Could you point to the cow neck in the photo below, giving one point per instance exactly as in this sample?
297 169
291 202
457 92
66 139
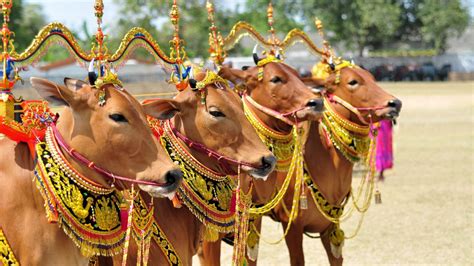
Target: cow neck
88 174
331 173
89 213
209 165
281 144
206 192
271 122
352 140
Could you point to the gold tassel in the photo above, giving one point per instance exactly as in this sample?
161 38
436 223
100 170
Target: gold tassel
303 202
252 242
211 235
378 197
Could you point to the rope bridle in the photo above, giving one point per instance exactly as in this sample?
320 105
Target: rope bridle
355 110
273 113
90 164
224 161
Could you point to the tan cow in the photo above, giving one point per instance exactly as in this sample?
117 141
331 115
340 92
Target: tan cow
282 100
115 137
329 168
220 125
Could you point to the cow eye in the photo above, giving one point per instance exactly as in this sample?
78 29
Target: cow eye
353 82
216 112
245 68
119 118
276 80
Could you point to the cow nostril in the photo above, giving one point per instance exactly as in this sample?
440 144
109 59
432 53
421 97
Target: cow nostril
268 162
173 176
396 103
316 104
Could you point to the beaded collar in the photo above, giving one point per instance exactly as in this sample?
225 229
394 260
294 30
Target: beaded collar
207 194
281 145
88 213
351 139
91 215
6 253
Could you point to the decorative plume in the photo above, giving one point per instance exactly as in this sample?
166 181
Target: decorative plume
216 42
180 75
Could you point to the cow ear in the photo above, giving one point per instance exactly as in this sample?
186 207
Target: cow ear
52 92
236 76
316 85
74 84
162 109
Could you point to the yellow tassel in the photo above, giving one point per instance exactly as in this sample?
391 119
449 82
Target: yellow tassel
303 202
211 235
378 197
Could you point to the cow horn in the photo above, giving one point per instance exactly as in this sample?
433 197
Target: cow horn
193 83
278 55
91 73
255 54
352 61
331 64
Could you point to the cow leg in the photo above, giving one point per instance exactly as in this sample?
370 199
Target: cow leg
327 246
210 253
294 242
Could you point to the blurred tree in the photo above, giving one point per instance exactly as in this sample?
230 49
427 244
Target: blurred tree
441 19
357 24
194 26
25 20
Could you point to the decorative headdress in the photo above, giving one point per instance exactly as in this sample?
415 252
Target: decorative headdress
210 78
273 55
329 63
8 71
216 42
181 73
100 61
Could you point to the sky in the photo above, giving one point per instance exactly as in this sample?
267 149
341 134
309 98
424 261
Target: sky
73 12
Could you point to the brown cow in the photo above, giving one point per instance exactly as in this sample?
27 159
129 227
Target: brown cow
330 170
220 125
116 137
282 91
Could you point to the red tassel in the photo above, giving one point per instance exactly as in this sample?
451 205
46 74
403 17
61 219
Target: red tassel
233 202
176 202
124 216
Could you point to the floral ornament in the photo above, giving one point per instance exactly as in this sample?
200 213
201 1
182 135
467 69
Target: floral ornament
106 75
210 78
180 76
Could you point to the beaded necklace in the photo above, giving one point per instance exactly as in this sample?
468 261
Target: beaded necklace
351 139
88 213
6 253
207 194
281 145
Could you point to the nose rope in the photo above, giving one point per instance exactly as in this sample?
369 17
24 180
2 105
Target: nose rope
83 160
273 113
223 160
356 110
